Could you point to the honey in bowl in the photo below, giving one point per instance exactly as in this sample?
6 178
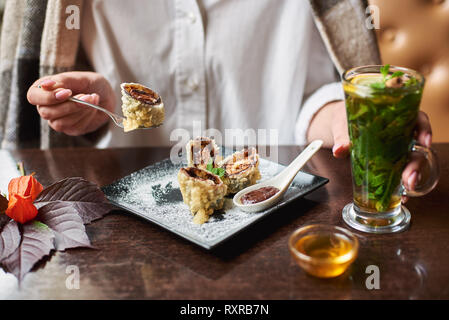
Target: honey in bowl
323 251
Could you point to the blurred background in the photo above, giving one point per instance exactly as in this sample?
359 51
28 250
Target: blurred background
415 34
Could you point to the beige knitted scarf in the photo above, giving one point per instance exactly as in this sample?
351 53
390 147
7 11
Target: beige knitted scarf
35 42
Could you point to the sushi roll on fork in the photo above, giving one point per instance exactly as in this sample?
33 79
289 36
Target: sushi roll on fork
141 106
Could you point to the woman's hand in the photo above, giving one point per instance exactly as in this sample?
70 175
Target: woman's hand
333 116
49 94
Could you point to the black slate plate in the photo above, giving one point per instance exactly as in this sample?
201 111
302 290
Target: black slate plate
153 194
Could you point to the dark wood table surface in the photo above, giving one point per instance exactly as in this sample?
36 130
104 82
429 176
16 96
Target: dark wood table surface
136 259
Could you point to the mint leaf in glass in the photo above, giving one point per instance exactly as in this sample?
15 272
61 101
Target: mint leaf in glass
378 85
384 70
411 82
397 74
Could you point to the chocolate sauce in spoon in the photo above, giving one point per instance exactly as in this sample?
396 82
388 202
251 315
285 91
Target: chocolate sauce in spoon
258 195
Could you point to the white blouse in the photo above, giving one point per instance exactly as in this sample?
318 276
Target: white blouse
222 64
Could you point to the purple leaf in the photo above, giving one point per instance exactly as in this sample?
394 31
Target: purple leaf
84 196
92 211
37 242
64 208
72 189
3 205
4 219
63 218
9 239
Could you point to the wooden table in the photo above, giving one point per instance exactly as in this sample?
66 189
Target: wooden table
136 259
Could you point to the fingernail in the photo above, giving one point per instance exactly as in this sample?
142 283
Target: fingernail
86 97
96 98
428 140
336 148
48 83
63 94
412 180
339 150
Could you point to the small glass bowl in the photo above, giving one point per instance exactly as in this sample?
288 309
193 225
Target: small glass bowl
323 251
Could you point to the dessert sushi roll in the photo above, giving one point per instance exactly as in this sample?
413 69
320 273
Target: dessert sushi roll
201 151
141 106
241 170
202 191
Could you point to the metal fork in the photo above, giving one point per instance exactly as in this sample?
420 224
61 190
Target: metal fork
117 119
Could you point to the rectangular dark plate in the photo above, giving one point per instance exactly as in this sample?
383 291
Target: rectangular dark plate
153 194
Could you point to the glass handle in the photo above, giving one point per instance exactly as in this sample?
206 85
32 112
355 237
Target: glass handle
433 175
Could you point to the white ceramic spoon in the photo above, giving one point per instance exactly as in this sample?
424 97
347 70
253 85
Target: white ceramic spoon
281 181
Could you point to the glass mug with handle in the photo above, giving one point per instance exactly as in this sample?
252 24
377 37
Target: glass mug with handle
382 105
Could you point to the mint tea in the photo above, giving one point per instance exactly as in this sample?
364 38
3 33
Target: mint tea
382 109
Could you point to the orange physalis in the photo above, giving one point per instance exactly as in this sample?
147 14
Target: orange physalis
22 193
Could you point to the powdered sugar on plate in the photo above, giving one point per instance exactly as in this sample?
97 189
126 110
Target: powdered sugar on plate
153 193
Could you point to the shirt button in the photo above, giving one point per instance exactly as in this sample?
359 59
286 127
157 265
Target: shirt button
192 17
193 84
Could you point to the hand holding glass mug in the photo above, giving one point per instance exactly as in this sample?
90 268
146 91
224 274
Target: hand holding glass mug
382 105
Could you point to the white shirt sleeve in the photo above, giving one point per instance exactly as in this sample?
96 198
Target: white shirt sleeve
321 85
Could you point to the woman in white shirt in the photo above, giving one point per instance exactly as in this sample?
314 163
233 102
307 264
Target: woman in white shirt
224 64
